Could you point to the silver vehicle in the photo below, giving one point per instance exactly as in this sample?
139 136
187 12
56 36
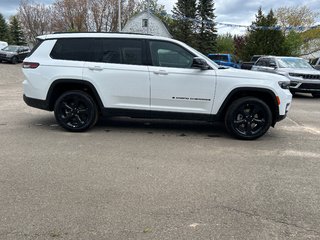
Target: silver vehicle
303 77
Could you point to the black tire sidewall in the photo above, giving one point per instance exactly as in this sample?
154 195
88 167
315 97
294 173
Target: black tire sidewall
14 60
316 95
233 108
90 103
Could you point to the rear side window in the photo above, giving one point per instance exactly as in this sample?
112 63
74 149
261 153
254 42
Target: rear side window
81 49
107 50
122 51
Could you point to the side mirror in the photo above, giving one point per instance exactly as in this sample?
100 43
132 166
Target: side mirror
200 63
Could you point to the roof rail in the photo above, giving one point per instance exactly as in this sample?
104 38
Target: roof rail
107 33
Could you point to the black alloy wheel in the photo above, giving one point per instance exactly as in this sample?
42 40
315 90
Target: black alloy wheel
248 118
76 111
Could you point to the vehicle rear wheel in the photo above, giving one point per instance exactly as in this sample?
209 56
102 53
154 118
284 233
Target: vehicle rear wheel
14 60
76 111
316 95
248 118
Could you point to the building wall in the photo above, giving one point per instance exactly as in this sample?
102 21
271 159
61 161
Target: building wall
156 26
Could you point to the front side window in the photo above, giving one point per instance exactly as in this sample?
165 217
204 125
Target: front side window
261 62
166 54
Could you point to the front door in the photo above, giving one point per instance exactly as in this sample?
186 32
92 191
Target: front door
175 85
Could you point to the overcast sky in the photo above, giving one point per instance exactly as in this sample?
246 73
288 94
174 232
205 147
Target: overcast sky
240 12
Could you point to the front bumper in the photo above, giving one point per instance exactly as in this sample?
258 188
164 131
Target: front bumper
305 86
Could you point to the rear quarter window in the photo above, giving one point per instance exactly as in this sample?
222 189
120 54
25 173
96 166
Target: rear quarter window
75 49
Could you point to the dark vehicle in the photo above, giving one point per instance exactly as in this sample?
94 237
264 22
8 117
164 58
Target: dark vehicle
14 53
248 65
224 59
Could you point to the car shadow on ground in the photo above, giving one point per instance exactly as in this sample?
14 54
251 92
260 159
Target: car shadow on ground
303 95
180 127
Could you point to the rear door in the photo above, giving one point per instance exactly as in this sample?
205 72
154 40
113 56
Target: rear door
120 74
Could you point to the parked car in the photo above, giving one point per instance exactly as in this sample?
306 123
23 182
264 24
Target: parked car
14 53
315 63
303 77
81 76
248 65
3 44
224 59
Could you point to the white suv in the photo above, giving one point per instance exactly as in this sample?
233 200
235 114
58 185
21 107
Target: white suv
80 76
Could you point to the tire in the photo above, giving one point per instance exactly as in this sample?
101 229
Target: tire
248 118
14 60
316 95
76 111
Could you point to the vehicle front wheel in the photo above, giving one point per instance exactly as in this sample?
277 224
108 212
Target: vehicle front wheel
76 111
248 118
316 95
14 60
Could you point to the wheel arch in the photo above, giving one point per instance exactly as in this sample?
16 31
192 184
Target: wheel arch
61 86
265 95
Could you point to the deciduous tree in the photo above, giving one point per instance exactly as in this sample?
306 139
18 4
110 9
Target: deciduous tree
35 19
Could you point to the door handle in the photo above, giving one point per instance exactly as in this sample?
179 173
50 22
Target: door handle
95 68
161 72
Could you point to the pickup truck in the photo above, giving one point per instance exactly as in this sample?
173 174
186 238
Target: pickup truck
248 65
224 59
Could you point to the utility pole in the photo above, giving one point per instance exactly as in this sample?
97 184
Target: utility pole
119 15
148 10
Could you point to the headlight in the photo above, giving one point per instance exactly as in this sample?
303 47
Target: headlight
284 84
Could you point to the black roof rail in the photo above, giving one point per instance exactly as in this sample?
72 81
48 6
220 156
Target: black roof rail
145 34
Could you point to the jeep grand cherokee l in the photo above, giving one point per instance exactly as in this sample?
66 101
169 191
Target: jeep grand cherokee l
304 78
81 76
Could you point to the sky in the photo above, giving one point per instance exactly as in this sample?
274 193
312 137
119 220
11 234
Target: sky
240 12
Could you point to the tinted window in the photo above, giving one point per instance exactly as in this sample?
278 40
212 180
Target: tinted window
168 54
119 51
261 62
124 51
75 49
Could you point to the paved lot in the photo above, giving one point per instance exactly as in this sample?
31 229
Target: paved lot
136 179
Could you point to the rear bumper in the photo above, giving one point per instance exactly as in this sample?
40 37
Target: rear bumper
36 103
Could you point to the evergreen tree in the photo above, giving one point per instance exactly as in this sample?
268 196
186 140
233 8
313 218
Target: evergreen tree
183 27
4 32
16 34
265 41
207 33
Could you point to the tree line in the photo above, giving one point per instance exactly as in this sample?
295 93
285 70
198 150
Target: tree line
191 21
12 32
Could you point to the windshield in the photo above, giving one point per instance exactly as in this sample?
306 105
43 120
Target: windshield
293 63
11 48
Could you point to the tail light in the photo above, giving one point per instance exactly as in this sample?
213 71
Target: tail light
30 65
